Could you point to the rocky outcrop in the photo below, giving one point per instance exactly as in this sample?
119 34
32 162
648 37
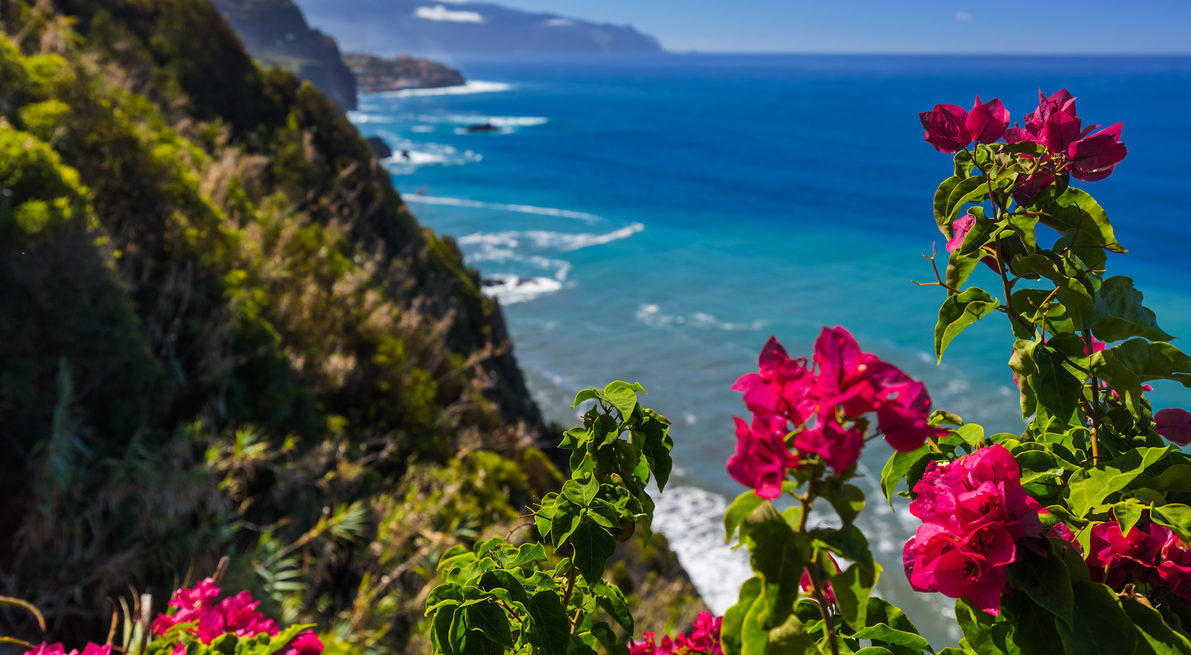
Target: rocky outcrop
275 33
374 74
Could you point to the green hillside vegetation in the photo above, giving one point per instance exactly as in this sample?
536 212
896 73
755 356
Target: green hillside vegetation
222 332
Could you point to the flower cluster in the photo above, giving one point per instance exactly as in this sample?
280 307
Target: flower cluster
826 397
704 638
1070 147
974 513
59 649
1149 554
208 619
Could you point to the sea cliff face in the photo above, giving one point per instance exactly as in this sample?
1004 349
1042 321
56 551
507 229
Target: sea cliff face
276 33
223 333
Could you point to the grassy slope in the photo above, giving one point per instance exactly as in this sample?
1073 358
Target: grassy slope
224 333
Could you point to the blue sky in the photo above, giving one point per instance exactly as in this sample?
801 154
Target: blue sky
886 26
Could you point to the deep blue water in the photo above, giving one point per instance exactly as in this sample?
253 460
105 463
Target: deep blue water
667 214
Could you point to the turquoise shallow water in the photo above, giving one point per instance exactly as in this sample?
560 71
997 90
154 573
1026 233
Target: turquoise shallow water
657 219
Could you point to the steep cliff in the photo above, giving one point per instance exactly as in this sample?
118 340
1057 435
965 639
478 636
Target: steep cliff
275 32
222 332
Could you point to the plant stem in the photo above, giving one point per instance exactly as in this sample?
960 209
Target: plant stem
1093 432
816 584
566 598
817 592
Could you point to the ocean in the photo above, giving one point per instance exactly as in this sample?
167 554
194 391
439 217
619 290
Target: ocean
656 219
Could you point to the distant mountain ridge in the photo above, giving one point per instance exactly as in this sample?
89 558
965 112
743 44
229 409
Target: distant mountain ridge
427 27
275 33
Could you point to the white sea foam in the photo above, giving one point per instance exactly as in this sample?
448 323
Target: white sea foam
422 129
692 520
512 289
479 119
652 316
474 86
546 240
522 209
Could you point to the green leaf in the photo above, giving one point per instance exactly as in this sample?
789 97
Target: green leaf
489 619
564 522
593 546
1057 387
1152 361
1120 377
968 190
656 445
1075 208
623 396
888 636
441 633
581 494
983 634
1158 636
528 554
732 628
896 468
790 637
613 644
958 312
777 554
738 511
614 603
551 627
1127 514
1045 580
940 204
1124 315
1176 516
847 499
1100 626
1090 487
874 650
852 588
585 395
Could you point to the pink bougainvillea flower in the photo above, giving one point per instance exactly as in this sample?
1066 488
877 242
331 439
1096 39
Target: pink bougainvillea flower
761 459
987 122
1115 559
704 639
1174 424
240 617
837 445
1060 102
905 428
974 512
236 614
1029 186
781 385
306 643
59 649
1060 131
807 585
1094 157
946 128
935 560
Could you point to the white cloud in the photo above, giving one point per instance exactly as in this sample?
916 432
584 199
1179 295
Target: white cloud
560 22
963 16
441 13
